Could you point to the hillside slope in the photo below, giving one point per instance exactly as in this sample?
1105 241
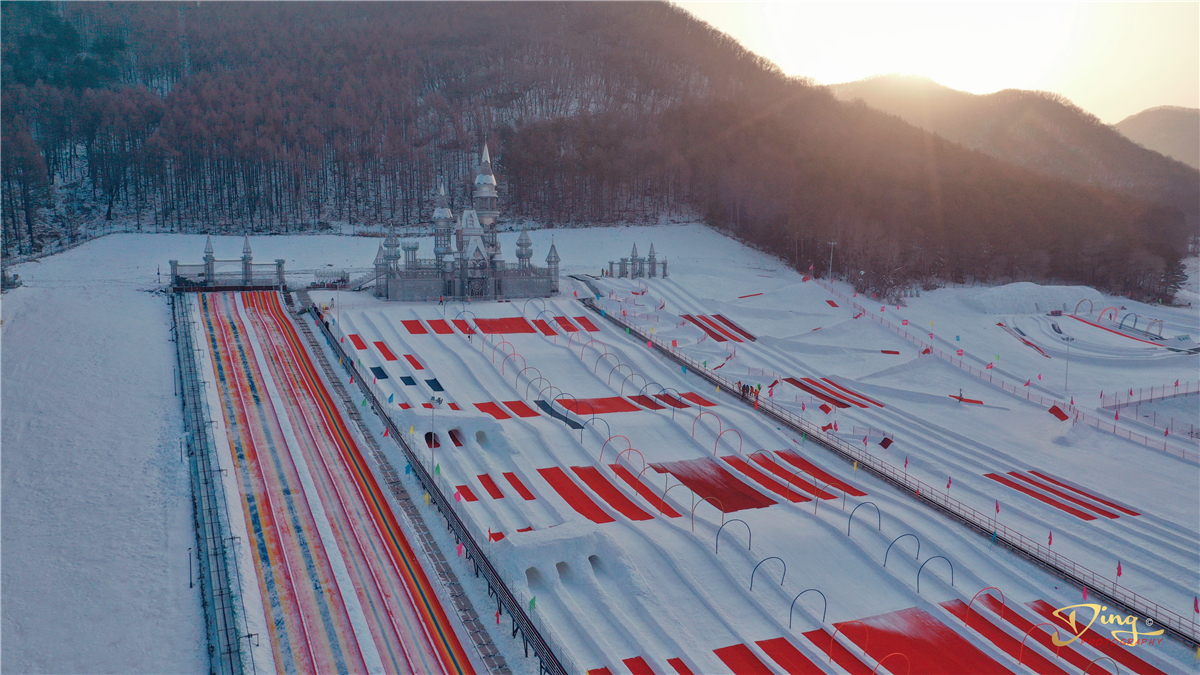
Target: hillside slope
1169 130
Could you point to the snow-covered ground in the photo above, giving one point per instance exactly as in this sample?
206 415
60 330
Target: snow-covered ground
652 588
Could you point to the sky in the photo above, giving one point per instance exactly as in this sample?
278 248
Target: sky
1111 59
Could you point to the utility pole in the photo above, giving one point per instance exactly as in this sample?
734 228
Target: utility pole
1067 376
831 245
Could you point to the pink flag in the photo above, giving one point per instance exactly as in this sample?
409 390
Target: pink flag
651 345
1196 604
864 440
997 506
906 462
904 322
1028 382
1118 416
988 367
1072 400
960 352
948 481
458 495
1039 376
460 550
1101 393
374 380
882 308
1176 383
1085 593
1166 432
1050 540
1118 569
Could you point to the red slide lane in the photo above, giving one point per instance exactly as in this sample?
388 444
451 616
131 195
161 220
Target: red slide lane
762 479
932 647
791 457
830 390
440 326
790 478
734 326
587 325
506 326
520 409
1118 653
646 402
697 399
638 666
708 479
414 327
415 363
544 327
718 327
1007 643
834 401
1089 495
671 401
708 331
466 493
592 477
515 481
493 410
490 486
576 498
824 642
463 327
680 667
358 342
742 660
1113 331
789 657
565 324
387 353
1042 635
1040 497
598 406
1062 495
852 392
643 490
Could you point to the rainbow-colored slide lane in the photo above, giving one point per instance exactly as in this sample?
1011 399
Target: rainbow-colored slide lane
342 590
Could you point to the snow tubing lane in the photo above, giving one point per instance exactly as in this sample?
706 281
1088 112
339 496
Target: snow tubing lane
708 479
592 477
446 642
734 326
575 497
931 646
793 458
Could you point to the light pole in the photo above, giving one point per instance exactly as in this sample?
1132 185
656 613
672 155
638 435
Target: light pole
831 245
434 403
1067 376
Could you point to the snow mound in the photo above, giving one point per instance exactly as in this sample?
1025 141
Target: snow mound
1029 298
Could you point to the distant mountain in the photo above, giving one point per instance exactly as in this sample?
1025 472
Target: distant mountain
1040 131
1170 130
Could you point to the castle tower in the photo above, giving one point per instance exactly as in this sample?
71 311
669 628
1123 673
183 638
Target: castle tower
410 253
486 200
381 273
552 260
210 263
442 225
652 262
524 250
635 263
391 247
247 262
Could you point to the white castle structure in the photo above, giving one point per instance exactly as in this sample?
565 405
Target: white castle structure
467 262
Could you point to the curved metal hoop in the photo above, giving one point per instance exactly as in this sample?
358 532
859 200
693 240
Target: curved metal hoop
817 497
1021 654
593 420
663 500
718 441
824 607
760 562
749 533
1091 307
526 305
1150 326
927 561
880 663
866 635
1105 310
1115 666
720 426
878 516
499 345
543 389
522 372
587 344
601 357
720 507
627 379
509 356
639 452
532 382
628 445
906 534
1135 316
616 367
1003 603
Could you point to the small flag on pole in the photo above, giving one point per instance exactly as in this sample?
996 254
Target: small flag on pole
1196 604
407 469
1028 382
949 480
1050 540
532 603
1118 569
856 465
988 366
1085 593
460 550
411 429
1039 376
385 431
993 533
906 462
1117 417
458 495
437 469
392 398
960 352
997 506
426 499
904 322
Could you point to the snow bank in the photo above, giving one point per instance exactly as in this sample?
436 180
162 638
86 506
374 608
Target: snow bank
1030 298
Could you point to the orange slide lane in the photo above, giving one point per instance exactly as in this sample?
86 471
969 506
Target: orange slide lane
420 623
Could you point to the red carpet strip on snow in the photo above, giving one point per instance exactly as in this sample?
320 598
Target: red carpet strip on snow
646 402
718 327
1118 653
889 351
1005 642
931 646
490 486
415 363
835 402
752 295
853 400
565 324
504 326
576 498
520 409
414 327
708 479
791 457
763 480
592 477
966 400
599 671
466 493
1113 331
1059 482
597 406
1040 497
671 401
680 667
544 327
1017 335
493 410
831 303
1042 635
738 329
791 659
1063 495
710 332
387 353
515 481
638 666
645 491
440 326
587 325
790 478
463 327
851 392
697 399
742 661
358 342
825 644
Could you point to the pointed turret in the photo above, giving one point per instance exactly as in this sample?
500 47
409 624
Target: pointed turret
208 248
651 250
246 253
652 263
552 261
633 254
524 249
442 223
381 256
210 263
485 198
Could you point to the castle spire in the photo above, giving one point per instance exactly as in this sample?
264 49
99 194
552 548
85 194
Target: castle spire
208 247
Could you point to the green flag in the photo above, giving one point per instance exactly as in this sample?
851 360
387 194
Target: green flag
437 469
532 603
363 403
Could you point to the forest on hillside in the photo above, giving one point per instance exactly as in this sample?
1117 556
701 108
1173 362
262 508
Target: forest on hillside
283 117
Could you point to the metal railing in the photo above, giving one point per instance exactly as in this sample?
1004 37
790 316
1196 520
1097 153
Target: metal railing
1176 624
220 578
549 661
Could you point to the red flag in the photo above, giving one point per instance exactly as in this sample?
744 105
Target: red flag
1176 383
960 352
904 322
1118 569
1196 604
385 431
1101 393
949 480
458 496
1085 593
374 380
1166 432
864 440
906 461
1072 400
1039 376
343 339
1131 392
997 506
827 427
1118 416
1027 382
931 336
988 367
351 379
1050 540
802 406
835 425
927 351
882 308
826 409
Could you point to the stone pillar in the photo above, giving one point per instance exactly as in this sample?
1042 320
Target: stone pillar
279 273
